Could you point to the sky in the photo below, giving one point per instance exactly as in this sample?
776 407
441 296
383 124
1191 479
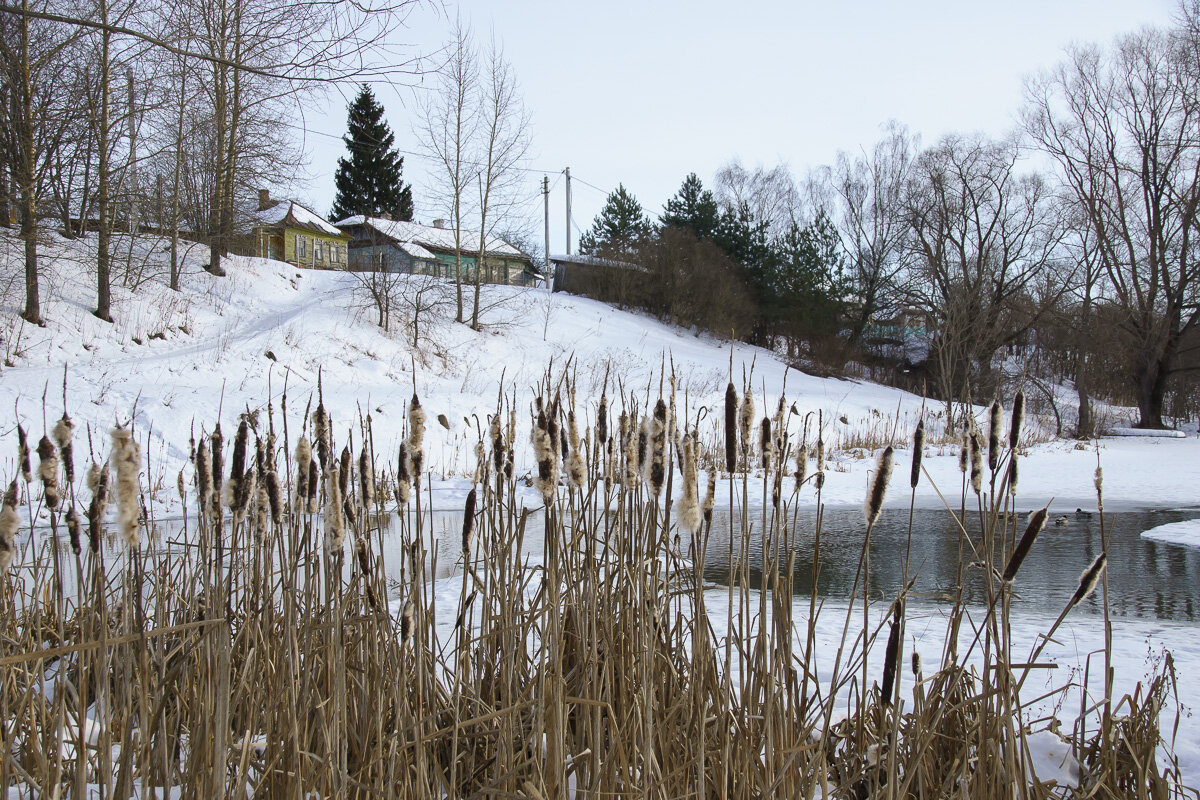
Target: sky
642 92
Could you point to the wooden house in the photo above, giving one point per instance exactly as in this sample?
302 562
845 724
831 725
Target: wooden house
387 245
287 231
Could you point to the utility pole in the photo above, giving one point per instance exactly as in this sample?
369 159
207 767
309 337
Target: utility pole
134 222
568 210
546 203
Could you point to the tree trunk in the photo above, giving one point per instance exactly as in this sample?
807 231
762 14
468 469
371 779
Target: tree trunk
33 308
104 236
1151 388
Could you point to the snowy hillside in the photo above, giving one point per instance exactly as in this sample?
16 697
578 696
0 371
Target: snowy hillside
176 361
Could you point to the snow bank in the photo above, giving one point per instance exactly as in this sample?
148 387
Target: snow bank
1185 534
1148 432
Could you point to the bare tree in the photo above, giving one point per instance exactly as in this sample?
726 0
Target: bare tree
983 238
1123 127
446 126
771 195
869 194
504 142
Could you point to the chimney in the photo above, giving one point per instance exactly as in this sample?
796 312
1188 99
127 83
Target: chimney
439 223
264 199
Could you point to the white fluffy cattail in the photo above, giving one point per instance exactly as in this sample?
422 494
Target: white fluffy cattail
335 524
801 464
48 472
126 459
403 477
576 469
976 464
303 457
879 483
1088 580
745 424
658 446
995 434
9 522
63 433
689 505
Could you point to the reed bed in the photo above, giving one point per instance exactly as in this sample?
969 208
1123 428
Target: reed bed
259 648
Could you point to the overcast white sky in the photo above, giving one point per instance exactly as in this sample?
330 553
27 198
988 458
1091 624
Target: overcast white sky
643 92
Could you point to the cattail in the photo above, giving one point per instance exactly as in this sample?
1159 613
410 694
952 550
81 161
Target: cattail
497 437
320 419
481 463
48 471
964 451
98 484
406 622
633 474
916 665
689 506
1018 419
643 446
820 454
1012 473
731 405
766 443
303 457
1036 523
262 508
416 439
891 655
1098 480
602 421
658 446
23 454
443 421
745 423
468 528
335 527
9 522
62 433
403 480
976 464
917 452
879 483
127 460
73 530
1088 580
217 463
995 435
313 484
543 451
710 499
801 465
576 469
239 491
181 487
343 465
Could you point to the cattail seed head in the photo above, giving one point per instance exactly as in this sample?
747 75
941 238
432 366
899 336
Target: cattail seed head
416 435
73 530
335 526
468 529
497 437
916 665
745 424
658 446
766 443
344 465
891 657
1013 474
995 434
820 454
731 405
403 480
602 421
62 433
366 477
239 489
689 505
1025 543
964 451
801 464
1088 580
710 499
127 461
918 452
976 464
48 471
98 507
576 469
23 454
406 622
9 523
1018 419
879 483
320 421
217 462
303 457
313 484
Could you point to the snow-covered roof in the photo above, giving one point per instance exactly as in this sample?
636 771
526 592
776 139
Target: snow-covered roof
431 238
301 217
415 250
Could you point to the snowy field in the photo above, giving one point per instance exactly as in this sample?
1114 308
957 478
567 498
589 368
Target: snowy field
176 362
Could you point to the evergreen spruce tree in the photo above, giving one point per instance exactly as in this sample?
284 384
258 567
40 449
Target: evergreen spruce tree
693 207
370 181
619 226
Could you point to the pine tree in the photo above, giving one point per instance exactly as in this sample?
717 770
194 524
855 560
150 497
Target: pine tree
370 181
693 207
619 226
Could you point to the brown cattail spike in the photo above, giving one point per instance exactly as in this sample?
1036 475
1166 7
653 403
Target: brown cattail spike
731 404
23 454
468 529
1018 419
879 483
1036 523
891 655
995 434
1088 580
48 471
62 433
9 523
976 464
917 452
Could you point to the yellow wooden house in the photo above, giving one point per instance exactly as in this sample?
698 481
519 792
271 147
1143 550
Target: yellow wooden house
287 231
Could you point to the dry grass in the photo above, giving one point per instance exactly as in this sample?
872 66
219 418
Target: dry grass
253 657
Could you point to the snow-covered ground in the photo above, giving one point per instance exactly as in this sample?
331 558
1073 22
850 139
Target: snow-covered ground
176 362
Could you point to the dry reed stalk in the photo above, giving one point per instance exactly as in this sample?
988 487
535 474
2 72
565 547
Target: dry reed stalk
731 411
48 472
126 459
9 523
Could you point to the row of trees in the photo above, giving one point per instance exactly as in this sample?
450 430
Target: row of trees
1096 260
139 114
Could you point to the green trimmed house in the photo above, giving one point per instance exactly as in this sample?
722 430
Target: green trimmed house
409 247
287 231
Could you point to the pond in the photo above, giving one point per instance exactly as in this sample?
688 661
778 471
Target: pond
1146 578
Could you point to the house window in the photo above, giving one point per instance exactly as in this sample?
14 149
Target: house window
301 246
317 251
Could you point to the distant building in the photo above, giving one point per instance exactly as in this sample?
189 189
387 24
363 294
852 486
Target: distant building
378 243
287 231
600 278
